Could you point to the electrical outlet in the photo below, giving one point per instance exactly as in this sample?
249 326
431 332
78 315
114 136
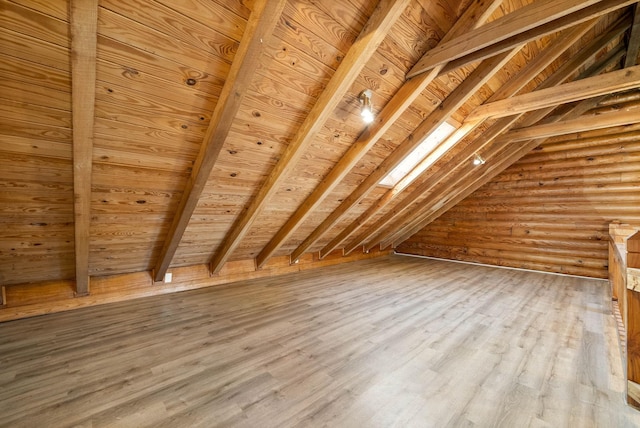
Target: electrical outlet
168 277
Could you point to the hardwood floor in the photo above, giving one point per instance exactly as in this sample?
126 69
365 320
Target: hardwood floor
396 341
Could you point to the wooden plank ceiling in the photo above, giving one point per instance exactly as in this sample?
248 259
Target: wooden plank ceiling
141 136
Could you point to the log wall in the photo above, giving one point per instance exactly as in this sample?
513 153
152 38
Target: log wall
550 211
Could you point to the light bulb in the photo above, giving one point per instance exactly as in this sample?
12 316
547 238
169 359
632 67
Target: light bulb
366 112
367 115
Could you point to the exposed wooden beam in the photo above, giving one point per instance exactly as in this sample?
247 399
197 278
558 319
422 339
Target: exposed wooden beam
597 10
260 26
449 105
464 184
615 81
560 44
523 25
405 96
581 124
449 174
373 33
3 295
476 13
500 157
511 87
392 193
633 46
84 35
539 62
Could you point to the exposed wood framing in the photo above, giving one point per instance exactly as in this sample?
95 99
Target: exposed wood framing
449 174
260 26
3 295
462 186
84 28
373 33
358 194
466 184
503 158
511 87
633 46
218 134
444 111
475 15
460 95
580 124
392 193
615 81
525 24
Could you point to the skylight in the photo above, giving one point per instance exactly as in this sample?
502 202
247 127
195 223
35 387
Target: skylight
418 154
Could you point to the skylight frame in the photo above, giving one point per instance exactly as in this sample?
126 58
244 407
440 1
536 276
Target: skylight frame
417 155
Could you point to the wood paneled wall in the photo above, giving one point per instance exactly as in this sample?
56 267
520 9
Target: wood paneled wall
27 300
551 210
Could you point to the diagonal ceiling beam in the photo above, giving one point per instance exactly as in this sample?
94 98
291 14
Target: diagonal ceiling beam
477 13
585 14
505 157
633 46
597 10
373 33
84 30
447 107
450 105
501 156
392 193
467 184
615 81
448 174
510 154
532 69
260 26
562 127
523 25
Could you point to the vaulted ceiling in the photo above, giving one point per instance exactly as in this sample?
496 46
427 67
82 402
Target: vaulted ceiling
141 136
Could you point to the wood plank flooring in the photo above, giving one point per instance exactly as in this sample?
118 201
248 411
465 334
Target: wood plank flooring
390 342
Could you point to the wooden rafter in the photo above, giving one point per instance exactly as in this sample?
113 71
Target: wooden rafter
566 70
501 155
364 187
615 81
449 105
84 30
547 16
477 13
511 87
501 160
449 173
633 46
373 33
581 124
597 10
260 26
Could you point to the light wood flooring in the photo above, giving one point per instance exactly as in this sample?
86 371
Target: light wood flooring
391 342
